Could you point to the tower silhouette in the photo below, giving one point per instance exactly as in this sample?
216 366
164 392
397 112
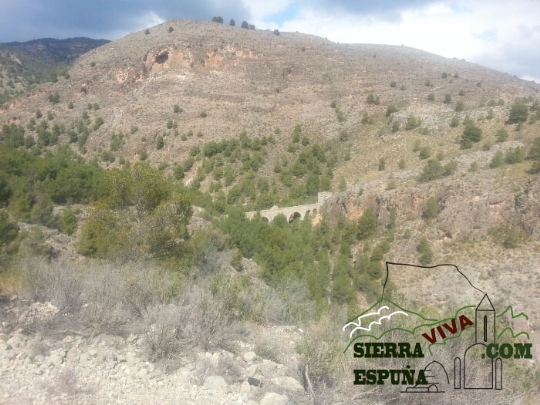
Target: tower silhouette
485 322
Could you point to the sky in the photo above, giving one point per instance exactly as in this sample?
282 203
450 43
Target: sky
499 34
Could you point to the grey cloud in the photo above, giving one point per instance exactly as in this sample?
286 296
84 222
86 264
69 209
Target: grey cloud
25 19
384 9
516 59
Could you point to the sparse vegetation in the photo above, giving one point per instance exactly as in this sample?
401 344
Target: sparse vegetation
518 113
426 254
372 99
471 134
447 98
390 110
412 123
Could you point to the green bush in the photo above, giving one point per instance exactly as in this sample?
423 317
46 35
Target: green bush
425 152
515 155
460 106
431 210
534 155
390 110
367 225
426 254
372 99
501 135
497 160
8 229
471 134
431 97
67 222
518 113
447 98
412 123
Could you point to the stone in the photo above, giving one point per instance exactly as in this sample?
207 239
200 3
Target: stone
251 370
271 398
288 383
249 356
254 381
4 345
216 384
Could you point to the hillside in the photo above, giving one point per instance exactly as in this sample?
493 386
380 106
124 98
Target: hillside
25 64
148 151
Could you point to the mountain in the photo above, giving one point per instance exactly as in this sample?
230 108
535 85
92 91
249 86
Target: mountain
64 51
24 64
153 147
223 80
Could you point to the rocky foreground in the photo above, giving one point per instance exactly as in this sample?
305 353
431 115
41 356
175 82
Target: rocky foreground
112 369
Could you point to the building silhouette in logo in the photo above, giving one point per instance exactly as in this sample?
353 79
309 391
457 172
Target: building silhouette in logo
478 371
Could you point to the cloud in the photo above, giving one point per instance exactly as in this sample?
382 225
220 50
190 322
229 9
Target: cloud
23 20
500 35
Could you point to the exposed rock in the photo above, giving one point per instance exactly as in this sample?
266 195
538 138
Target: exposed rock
255 382
216 384
271 398
288 383
249 356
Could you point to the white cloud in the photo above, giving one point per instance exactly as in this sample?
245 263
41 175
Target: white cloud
501 35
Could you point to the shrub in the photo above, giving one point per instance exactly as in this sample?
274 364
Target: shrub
431 210
515 155
245 25
390 110
382 164
232 23
372 99
395 126
471 134
426 254
460 106
160 143
367 225
393 83
402 164
518 113
54 98
217 20
146 32
454 122
497 160
277 33
8 229
425 152
444 75
431 97
433 170
509 236
447 98
534 155
412 123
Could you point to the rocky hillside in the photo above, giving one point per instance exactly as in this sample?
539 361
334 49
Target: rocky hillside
430 160
226 79
25 64
60 51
